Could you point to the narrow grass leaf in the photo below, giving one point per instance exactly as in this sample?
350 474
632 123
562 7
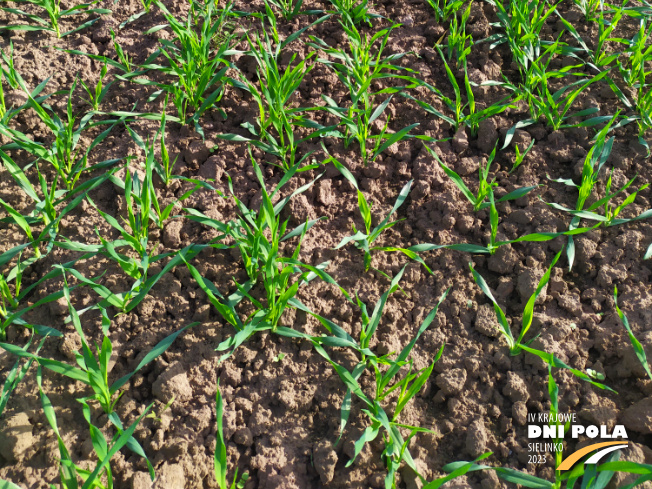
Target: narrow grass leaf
638 348
302 228
528 312
507 332
405 352
627 466
122 440
8 485
220 446
155 352
69 371
350 382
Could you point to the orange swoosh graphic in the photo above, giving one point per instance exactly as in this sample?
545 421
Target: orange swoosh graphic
575 456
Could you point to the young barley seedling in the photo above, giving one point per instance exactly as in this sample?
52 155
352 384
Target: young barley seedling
53 10
632 65
277 119
14 81
634 68
64 154
519 344
444 9
289 8
123 62
123 57
598 57
258 236
480 199
463 108
139 198
275 95
142 206
47 210
264 315
364 240
520 156
164 167
96 94
3 106
521 23
555 106
356 11
197 66
220 460
385 368
128 300
23 223
10 292
13 294
485 193
590 9
69 472
458 41
358 68
17 374
593 163
147 6
92 369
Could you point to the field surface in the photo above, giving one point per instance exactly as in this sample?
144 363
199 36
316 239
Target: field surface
460 188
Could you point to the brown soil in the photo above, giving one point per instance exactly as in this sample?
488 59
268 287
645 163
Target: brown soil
282 416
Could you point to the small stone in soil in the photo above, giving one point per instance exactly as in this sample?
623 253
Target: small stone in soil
173 382
15 437
170 476
527 283
460 140
486 322
516 389
638 417
325 458
476 438
243 437
451 381
519 413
